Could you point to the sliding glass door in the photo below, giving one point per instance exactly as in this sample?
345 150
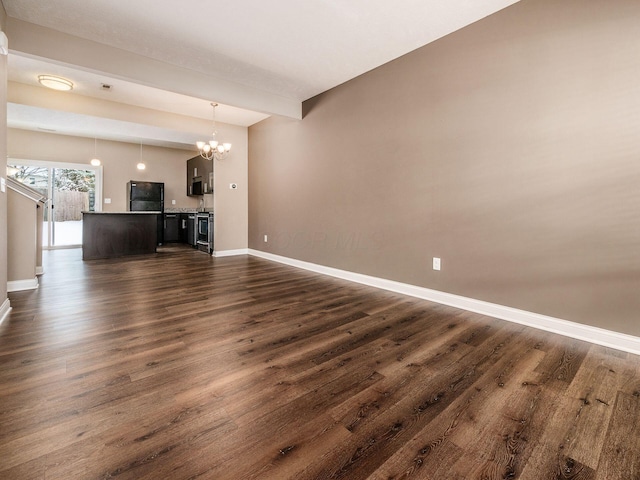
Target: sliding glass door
71 189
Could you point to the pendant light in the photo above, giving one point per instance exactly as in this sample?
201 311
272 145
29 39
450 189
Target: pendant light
95 161
141 166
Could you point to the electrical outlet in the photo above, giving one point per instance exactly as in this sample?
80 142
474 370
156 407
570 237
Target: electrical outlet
173 202
107 200
436 263
265 239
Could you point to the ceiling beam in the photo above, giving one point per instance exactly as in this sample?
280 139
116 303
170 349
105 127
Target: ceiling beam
34 108
41 42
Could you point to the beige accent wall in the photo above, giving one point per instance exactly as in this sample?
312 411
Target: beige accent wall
510 149
231 206
3 166
22 238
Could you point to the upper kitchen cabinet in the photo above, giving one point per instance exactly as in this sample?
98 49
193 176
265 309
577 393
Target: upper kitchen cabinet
199 176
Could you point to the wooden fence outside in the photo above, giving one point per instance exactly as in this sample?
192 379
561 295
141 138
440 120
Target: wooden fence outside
68 206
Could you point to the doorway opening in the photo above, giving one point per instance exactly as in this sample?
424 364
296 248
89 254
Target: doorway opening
71 189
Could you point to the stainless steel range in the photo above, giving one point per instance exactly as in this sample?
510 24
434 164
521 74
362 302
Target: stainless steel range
204 229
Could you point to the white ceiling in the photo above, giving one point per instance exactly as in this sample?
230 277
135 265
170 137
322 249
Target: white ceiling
293 49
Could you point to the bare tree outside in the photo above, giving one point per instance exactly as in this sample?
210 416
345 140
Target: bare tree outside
74 180
72 189
66 179
35 177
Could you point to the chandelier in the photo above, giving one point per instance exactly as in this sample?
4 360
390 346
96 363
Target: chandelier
213 148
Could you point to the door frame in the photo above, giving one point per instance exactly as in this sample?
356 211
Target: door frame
73 166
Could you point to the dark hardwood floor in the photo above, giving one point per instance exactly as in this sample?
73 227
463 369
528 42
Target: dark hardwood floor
181 366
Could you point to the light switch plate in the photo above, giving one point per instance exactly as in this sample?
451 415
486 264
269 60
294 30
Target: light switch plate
3 185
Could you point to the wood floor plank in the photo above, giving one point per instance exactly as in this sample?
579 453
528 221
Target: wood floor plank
620 455
575 433
410 410
465 422
142 446
180 365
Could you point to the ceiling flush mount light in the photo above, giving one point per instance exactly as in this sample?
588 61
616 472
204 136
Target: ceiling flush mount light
213 148
57 83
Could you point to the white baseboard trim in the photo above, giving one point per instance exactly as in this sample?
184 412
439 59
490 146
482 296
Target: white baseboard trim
19 285
598 336
39 271
5 308
231 253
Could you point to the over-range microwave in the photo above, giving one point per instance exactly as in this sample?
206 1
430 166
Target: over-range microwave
199 187
196 187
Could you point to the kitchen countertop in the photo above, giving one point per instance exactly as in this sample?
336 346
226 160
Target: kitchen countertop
168 210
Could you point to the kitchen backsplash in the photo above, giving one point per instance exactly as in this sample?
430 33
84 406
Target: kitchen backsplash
186 210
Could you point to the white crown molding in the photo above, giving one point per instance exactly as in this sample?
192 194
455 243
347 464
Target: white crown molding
598 336
19 285
5 308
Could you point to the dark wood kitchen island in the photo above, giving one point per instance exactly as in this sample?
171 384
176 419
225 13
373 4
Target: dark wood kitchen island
116 234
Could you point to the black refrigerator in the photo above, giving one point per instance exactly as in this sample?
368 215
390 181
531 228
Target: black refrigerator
147 197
